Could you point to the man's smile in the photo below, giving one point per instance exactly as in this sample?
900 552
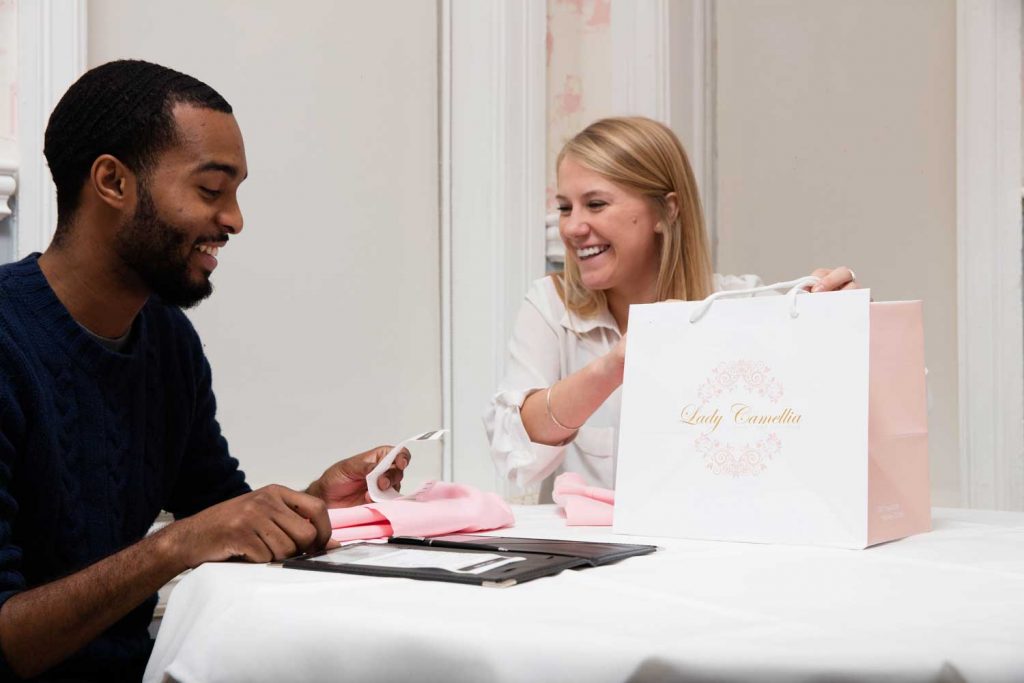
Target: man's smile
207 253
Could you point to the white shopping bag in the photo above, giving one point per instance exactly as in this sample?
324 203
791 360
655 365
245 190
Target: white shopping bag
748 420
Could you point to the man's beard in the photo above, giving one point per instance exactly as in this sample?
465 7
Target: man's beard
155 250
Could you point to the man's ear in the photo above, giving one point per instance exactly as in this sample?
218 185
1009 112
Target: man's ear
113 182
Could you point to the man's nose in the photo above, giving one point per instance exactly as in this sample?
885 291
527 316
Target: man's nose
231 219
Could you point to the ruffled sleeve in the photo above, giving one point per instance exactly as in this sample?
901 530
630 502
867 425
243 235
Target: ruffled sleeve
533 364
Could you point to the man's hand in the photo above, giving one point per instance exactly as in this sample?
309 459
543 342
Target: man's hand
269 524
43 626
343 484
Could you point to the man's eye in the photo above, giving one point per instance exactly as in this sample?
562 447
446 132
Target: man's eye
210 193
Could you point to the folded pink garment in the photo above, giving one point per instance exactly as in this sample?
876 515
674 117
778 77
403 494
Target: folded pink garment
583 505
437 508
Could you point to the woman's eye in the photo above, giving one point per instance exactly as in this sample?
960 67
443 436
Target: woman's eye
596 205
210 193
565 210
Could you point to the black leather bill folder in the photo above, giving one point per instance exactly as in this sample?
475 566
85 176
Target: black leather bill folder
595 554
495 561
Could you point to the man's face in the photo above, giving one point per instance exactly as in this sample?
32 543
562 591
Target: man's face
186 208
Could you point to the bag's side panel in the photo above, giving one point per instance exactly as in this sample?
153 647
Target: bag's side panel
899 498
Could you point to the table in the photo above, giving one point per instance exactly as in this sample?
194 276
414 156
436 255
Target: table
942 606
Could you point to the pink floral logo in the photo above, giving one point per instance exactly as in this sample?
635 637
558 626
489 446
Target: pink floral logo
732 458
736 460
754 376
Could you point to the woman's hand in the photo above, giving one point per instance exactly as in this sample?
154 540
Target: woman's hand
833 279
614 362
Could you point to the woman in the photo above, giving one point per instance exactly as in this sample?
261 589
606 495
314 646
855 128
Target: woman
631 221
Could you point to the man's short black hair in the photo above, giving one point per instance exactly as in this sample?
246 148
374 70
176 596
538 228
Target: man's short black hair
122 108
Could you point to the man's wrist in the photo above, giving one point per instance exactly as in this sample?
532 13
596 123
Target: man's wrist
168 551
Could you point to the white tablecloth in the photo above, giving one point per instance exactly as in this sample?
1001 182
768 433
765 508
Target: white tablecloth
942 606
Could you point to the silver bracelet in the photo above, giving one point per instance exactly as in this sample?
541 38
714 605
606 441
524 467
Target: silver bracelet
552 415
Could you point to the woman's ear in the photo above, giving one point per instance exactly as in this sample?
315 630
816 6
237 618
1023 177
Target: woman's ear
112 182
671 207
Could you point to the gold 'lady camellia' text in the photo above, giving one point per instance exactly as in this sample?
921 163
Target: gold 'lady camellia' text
741 413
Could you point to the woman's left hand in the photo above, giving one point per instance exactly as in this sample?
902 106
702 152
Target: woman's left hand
833 279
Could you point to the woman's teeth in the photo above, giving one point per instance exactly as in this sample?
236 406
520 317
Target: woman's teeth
590 252
207 249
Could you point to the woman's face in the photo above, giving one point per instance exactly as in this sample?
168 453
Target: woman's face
610 231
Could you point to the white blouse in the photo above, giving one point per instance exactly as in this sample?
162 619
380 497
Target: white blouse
548 343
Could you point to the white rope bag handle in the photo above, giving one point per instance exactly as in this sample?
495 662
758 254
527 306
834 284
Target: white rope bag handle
795 287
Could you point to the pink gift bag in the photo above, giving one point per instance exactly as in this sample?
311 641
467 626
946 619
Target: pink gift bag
784 419
899 495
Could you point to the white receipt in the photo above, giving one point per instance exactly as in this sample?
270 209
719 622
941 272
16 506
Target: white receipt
376 494
380 555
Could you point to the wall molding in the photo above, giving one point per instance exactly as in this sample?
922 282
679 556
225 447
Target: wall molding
444 156
989 267
663 67
692 113
51 56
493 137
641 58
8 185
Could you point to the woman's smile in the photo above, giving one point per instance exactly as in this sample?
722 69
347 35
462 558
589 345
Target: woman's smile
588 253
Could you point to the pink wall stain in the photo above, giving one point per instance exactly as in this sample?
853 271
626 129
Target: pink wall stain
570 99
578 73
577 5
602 14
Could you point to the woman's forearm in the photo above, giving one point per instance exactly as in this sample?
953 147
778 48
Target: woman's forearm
573 400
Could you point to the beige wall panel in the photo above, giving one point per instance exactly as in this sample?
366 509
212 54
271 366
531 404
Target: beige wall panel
324 329
837 145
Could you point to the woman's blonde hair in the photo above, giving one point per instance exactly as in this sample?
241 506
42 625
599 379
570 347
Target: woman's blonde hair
645 156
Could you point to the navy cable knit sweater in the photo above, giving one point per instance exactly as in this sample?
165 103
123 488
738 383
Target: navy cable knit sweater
93 444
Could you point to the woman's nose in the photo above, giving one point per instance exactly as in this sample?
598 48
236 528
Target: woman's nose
575 226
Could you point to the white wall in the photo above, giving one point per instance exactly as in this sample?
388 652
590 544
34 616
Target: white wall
837 145
323 331
8 131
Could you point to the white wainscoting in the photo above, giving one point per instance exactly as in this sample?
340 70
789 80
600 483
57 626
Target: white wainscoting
990 314
492 206
51 56
663 68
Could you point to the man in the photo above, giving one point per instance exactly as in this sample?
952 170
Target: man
106 410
